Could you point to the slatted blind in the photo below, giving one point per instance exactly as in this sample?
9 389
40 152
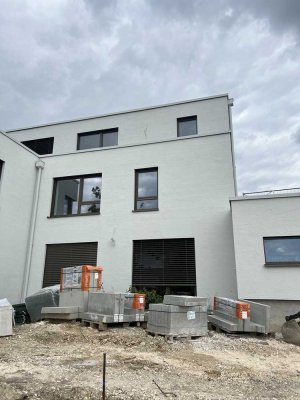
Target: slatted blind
164 262
67 255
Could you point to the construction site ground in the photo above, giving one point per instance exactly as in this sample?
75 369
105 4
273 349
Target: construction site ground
64 361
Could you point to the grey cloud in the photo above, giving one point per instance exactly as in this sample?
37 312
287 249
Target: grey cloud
282 14
65 59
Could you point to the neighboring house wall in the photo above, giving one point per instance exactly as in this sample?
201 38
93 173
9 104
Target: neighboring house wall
16 193
141 126
195 180
254 219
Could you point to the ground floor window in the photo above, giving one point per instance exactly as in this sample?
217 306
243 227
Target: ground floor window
166 265
67 255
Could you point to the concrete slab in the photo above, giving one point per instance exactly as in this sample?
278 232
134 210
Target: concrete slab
185 301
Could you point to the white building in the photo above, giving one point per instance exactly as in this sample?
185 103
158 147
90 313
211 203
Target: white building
144 193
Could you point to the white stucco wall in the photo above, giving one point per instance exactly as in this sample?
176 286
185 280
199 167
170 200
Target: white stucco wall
254 219
195 179
16 193
142 126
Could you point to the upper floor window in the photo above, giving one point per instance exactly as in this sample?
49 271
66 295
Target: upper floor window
103 138
40 146
146 189
282 250
187 126
76 195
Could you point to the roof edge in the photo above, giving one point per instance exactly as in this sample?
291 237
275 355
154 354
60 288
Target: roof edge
266 197
4 133
120 112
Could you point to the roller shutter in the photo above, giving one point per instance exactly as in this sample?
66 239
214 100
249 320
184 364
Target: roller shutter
67 255
164 262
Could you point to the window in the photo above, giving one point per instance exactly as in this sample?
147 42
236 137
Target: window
165 264
76 195
1 167
103 138
187 126
40 146
146 189
282 250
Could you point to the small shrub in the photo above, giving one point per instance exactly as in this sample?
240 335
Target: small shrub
151 295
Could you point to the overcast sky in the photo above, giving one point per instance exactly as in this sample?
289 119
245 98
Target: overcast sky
62 59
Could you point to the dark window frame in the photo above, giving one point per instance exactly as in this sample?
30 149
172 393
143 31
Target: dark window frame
99 133
136 197
279 263
50 144
80 201
184 119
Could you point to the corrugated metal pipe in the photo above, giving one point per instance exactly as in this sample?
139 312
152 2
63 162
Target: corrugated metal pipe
39 166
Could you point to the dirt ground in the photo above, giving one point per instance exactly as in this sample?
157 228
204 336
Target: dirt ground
64 361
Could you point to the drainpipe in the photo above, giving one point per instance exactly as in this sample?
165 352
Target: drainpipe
230 105
39 166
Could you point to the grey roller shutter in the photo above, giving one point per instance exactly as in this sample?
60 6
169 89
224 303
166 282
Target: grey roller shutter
164 262
67 255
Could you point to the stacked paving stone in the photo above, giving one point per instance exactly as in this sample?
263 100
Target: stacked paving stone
178 316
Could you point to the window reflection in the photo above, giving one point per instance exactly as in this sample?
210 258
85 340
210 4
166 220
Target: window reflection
187 126
146 189
282 249
77 195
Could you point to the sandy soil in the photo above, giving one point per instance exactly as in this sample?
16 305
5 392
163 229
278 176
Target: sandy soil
64 361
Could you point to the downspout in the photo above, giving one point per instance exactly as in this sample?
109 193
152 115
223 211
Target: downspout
39 166
230 105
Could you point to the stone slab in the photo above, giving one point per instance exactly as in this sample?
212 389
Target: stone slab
185 301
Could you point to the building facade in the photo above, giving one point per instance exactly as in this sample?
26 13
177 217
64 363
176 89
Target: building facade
151 196
143 193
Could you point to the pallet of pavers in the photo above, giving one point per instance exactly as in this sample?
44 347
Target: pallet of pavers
105 309
178 317
235 316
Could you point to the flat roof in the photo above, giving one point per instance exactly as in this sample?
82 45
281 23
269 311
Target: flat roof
119 113
264 197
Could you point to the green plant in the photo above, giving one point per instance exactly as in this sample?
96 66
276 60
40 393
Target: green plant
151 295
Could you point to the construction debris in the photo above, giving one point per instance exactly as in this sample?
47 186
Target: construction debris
46 297
291 332
45 361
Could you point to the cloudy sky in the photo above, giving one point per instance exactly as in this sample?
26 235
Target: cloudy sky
62 59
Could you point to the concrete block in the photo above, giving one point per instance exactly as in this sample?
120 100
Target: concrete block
185 301
173 320
6 318
63 313
74 298
260 315
106 303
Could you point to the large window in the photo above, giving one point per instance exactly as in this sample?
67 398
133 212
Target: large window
40 146
146 189
187 126
165 265
103 138
76 195
282 250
